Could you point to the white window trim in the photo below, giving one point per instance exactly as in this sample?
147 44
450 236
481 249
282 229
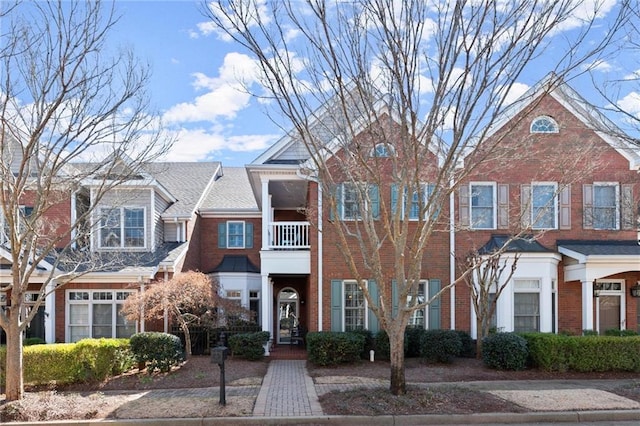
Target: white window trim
90 302
555 205
425 310
424 187
494 187
121 209
363 204
534 289
344 304
623 302
540 117
616 186
390 150
244 234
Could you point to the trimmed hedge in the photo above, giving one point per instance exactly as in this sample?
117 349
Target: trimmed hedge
249 345
412 339
505 351
552 352
85 361
381 345
157 351
440 345
369 342
330 348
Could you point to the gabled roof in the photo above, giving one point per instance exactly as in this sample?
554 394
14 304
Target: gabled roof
555 87
230 193
189 183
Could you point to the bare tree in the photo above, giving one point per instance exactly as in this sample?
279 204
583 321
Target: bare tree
72 113
387 96
487 282
188 298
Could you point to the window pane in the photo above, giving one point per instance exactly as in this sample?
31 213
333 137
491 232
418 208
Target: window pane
134 227
604 207
417 317
354 307
482 206
526 312
350 205
235 234
110 235
124 327
78 314
102 320
543 206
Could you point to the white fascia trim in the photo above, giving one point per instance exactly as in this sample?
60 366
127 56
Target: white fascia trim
581 258
216 174
221 213
152 184
111 277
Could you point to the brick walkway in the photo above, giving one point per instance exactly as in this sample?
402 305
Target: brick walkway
287 390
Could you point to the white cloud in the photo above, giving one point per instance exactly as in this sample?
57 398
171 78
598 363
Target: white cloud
631 103
598 65
585 12
516 90
226 94
201 144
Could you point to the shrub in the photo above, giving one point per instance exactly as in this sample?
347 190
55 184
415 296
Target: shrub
330 348
381 345
158 351
505 351
30 341
440 345
249 345
468 349
87 360
620 333
412 336
369 343
589 333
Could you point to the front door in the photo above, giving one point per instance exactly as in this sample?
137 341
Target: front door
287 314
610 307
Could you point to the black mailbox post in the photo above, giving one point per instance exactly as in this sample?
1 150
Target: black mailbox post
218 356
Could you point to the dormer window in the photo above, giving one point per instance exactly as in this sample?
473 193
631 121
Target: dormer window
382 150
122 227
544 124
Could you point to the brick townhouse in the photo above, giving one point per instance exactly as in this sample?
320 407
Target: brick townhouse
264 232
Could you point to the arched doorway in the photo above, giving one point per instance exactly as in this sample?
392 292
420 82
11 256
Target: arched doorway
288 312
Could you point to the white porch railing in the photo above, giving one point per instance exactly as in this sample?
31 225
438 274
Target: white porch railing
289 236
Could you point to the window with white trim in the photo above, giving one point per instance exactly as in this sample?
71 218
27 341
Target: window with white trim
544 124
419 316
483 205
355 307
526 305
23 214
605 206
254 306
544 206
382 150
355 200
122 227
235 234
419 200
96 314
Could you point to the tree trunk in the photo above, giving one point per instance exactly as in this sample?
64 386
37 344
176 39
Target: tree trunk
398 381
479 336
14 377
187 337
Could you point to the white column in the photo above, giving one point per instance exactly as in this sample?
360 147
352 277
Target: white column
266 214
50 311
587 305
266 300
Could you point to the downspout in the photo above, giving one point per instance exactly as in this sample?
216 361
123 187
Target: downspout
166 313
452 254
319 257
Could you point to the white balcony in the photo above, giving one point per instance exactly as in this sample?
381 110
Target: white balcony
287 249
288 236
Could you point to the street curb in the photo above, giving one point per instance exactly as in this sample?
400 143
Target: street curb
430 419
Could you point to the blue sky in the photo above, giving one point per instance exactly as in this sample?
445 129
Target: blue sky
194 82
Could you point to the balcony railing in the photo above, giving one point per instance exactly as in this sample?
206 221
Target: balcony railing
289 236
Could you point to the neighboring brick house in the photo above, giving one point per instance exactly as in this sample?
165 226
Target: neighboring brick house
264 232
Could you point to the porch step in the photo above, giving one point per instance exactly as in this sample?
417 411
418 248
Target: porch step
288 352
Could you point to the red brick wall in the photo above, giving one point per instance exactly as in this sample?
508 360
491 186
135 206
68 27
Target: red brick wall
211 255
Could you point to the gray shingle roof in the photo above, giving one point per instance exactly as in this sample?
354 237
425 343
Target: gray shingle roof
231 191
187 182
236 263
519 245
600 248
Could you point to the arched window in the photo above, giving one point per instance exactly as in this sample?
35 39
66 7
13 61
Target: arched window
382 150
544 124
